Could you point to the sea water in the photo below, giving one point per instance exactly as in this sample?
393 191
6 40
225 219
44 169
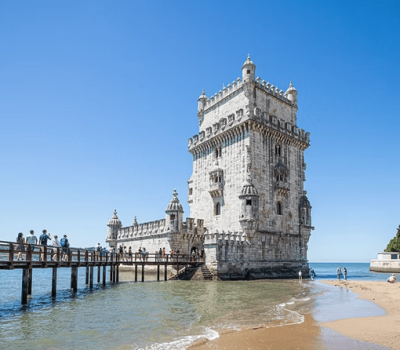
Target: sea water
150 315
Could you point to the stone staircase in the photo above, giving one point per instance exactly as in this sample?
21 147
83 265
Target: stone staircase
206 273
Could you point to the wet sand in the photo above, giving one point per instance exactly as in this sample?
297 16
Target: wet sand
304 336
349 333
383 330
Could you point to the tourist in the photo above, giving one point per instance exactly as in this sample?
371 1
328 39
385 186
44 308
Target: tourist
64 245
392 278
344 273
172 253
312 274
338 272
98 251
300 275
121 252
140 253
130 253
21 247
44 237
163 253
32 240
144 254
159 254
56 244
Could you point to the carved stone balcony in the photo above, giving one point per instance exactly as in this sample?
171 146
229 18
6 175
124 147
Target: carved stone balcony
215 189
282 187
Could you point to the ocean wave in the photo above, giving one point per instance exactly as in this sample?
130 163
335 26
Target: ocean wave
183 342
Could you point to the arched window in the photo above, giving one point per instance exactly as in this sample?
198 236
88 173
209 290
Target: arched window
217 208
279 208
278 150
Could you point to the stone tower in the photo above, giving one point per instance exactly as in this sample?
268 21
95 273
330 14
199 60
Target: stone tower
247 180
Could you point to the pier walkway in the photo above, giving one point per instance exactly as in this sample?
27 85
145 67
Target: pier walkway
27 257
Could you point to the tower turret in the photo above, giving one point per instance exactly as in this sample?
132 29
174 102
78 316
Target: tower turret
113 227
174 211
248 70
249 208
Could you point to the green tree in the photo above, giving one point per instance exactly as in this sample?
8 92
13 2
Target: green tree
394 244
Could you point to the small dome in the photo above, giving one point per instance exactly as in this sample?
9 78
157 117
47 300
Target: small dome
248 62
248 188
203 96
114 220
304 202
174 205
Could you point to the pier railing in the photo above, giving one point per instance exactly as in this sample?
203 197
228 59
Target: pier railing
15 255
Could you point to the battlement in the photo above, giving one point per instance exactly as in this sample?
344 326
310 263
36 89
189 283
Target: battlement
159 227
232 122
236 87
151 228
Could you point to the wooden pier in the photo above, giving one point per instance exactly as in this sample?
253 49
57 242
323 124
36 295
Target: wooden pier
27 257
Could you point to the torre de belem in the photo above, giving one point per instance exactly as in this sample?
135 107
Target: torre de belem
249 211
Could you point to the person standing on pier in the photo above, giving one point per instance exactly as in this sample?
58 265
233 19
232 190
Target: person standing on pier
32 240
44 237
21 247
56 244
64 245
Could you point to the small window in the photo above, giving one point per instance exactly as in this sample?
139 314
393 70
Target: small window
279 208
248 71
248 201
278 150
172 217
190 191
218 209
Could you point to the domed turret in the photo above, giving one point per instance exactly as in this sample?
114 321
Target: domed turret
291 94
113 227
174 213
174 205
249 208
305 210
248 70
201 101
248 188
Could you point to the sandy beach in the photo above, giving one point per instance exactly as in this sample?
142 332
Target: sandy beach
382 330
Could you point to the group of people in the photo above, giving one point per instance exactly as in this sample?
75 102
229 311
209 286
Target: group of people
33 241
340 273
312 274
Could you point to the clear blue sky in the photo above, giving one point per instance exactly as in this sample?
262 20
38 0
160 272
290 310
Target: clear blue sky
98 99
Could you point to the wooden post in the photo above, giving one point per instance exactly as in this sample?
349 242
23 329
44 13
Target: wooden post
135 272
30 280
25 280
74 278
142 272
111 273
98 273
87 275
91 277
54 283
118 273
11 254
165 272
104 275
158 272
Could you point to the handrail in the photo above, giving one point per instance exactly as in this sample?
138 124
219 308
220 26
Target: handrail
13 252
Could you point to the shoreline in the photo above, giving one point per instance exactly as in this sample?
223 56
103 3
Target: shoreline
377 331
382 330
